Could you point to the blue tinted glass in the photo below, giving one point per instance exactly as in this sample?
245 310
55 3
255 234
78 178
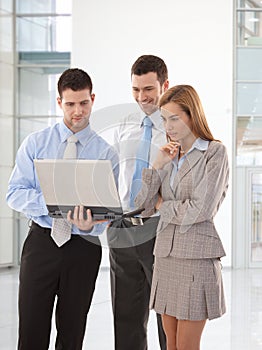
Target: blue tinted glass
44 6
44 33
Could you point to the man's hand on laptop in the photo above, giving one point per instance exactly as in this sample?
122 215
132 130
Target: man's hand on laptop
82 219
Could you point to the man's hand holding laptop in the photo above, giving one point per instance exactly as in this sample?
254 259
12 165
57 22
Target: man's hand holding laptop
82 219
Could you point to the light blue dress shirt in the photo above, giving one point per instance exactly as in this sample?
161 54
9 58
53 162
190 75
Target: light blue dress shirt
199 144
24 193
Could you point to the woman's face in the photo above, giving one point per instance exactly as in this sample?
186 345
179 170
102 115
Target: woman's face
177 123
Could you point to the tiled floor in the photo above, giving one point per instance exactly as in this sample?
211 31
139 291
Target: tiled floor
239 329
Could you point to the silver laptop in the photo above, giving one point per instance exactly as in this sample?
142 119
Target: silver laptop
67 183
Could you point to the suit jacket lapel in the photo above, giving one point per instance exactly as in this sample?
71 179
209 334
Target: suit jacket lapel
191 159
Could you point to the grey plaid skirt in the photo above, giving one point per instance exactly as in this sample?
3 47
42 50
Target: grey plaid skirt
188 289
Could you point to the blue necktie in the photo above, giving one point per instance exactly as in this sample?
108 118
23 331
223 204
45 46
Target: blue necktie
142 160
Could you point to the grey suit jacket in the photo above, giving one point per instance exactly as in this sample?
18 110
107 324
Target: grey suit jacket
186 228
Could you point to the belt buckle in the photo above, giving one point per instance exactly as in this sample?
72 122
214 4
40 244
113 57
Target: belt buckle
136 221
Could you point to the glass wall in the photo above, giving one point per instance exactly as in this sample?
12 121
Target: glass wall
248 87
43 52
248 134
6 127
43 33
256 217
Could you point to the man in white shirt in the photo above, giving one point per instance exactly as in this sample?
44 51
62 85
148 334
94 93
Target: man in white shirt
131 240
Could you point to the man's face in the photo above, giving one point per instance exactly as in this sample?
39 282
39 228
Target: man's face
147 91
77 107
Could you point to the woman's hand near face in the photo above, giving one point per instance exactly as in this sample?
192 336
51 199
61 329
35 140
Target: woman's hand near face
166 154
78 218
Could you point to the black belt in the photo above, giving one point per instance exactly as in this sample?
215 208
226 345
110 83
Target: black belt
40 228
136 221
46 230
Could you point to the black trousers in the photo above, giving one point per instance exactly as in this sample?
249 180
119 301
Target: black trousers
46 271
131 268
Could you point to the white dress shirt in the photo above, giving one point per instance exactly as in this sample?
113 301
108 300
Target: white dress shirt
126 140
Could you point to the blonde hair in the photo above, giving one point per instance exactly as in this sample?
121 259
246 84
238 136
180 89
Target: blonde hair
188 100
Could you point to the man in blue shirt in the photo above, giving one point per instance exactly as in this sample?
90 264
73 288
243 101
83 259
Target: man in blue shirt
47 271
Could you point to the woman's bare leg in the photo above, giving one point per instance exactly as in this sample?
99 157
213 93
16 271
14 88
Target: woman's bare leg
189 334
182 334
170 327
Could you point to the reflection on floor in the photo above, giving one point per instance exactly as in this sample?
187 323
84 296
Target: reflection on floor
240 328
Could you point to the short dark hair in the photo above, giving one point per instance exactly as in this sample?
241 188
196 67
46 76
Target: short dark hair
75 79
150 63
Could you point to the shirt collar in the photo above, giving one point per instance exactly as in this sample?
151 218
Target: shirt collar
200 144
82 136
155 118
